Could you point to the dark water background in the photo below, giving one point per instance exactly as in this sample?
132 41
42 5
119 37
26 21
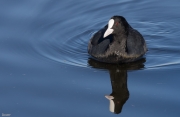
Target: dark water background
45 70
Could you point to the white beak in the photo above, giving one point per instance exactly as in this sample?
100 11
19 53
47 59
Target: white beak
111 105
109 30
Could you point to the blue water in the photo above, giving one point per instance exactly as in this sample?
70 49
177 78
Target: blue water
45 69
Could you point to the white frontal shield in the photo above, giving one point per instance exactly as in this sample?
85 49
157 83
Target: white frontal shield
109 29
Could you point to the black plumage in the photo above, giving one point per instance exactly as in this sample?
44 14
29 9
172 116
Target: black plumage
124 44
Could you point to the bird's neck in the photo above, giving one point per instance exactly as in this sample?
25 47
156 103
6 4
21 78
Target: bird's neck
121 39
122 42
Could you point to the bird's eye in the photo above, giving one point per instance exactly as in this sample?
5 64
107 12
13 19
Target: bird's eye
117 23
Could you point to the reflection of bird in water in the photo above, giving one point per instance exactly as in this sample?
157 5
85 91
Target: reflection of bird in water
118 75
120 91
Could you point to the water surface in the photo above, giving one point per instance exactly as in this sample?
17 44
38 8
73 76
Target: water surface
46 70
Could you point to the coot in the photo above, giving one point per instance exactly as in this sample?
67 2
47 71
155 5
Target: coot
117 42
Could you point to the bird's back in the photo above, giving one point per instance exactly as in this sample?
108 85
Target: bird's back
98 45
135 43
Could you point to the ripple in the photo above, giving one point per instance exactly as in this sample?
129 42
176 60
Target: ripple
66 41
161 38
71 50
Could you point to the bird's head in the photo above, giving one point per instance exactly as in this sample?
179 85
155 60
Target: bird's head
117 25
